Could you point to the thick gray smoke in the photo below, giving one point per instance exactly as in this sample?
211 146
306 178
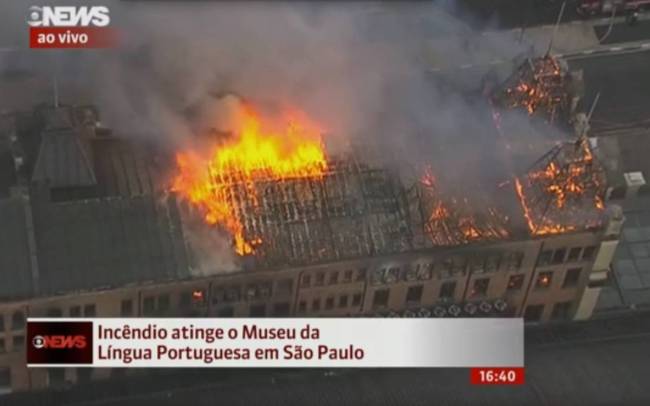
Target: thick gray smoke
358 69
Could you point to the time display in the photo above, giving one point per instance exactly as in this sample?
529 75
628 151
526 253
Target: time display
497 376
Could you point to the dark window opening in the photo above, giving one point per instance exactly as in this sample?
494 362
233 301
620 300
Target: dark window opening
90 310
414 294
544 258
329 303
356 299
574 254
558 256
334 278
18 342
343 301
54 312
534 313
561 311
258 310
361 275
588 253
347 276
281 309
315 305
320 279
571 278
17 321
148 306
163 304
126 308
381 298
447 290
305 281
302 306
75 311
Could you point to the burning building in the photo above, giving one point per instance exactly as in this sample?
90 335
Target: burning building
103 233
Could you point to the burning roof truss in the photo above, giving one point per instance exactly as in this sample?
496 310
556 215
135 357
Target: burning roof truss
453 221
539 86
350 210
563 191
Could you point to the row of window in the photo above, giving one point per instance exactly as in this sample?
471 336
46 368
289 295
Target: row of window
332 278
544 280
343 302
561 311
559 256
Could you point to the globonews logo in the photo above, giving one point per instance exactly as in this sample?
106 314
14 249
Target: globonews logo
59 342
70 27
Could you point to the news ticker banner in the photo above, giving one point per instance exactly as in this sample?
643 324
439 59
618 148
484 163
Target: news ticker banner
275 342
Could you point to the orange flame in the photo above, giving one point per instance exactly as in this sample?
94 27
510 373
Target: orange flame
222 184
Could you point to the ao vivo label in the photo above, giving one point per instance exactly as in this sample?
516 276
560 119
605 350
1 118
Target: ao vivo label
70 27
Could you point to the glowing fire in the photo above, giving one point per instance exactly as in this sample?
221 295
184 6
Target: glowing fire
564 185
455 222
221 184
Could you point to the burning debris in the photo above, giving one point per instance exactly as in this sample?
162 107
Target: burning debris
539 86
457 221
284 202
563 191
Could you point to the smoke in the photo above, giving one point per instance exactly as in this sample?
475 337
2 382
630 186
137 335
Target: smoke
358 69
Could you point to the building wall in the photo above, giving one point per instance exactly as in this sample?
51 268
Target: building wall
531 276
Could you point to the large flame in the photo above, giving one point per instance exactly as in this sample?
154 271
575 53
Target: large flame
222 183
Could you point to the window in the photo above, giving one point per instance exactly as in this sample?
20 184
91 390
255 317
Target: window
588 253
334 278
2 346
356 299
163 304
514 261
414 294
533 312
381 298
315 305
126 308
54 312
492 263
343 301
90 310
544 280
75 311
18 342
329 303
185 300
447 290
558 256
480 287
561 311
285 287
5 378
574 254
571 277
515 282
305 281
320 279
227 311
361 275
258 310
148 306
302 306
281 309
544 258
347 276
17 321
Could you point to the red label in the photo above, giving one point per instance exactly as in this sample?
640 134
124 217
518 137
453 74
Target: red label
497 376
71 37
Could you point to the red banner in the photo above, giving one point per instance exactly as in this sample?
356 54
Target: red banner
71 37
